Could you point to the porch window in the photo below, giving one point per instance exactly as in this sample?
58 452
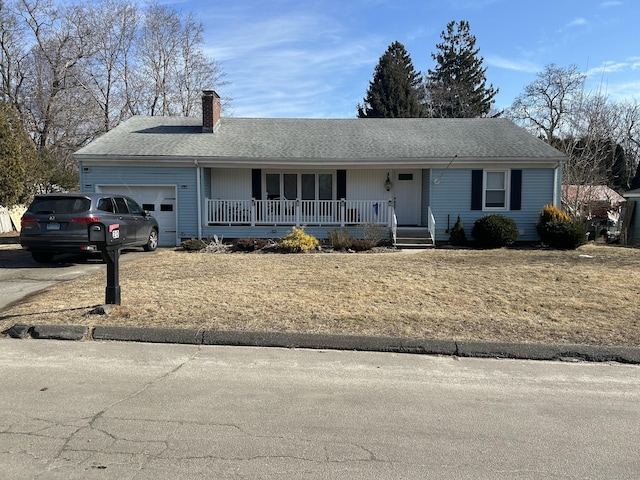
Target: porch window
306 186
495 189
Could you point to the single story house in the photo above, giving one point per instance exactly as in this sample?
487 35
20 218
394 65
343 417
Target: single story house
258 177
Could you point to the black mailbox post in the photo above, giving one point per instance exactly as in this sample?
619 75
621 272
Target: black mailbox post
108 237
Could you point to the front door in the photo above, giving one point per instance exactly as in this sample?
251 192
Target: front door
407 195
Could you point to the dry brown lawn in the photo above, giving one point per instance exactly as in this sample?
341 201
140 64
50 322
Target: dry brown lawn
589 296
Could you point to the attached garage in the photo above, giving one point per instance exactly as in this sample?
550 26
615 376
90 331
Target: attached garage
159 200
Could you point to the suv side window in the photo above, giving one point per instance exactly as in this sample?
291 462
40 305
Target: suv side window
134 208
106 205
121 205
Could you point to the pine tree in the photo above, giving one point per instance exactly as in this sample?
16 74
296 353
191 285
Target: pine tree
457 88
15 149
395 91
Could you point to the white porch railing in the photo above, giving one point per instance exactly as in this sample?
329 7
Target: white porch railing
298 212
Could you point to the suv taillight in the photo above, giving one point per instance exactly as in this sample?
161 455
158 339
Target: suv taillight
27 222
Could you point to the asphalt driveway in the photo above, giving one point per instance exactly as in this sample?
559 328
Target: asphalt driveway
21 276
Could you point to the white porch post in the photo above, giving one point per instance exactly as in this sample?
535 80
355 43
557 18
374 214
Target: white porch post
253 212
390 208
343 210
298 212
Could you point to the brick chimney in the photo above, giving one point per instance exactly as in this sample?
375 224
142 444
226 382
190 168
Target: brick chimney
210 111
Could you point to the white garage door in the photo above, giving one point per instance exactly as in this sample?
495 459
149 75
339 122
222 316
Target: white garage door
159 201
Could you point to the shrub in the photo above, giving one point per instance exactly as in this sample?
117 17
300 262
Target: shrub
493 231
374 233
298 241
193 244
339 238
557 230
551 212
361 244
562 234
457 237
251 244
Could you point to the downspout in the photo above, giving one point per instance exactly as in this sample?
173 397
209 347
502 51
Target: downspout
555 184
199 200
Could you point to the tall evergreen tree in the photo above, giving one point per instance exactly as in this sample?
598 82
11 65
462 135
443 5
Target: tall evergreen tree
396 90
16 156
457 86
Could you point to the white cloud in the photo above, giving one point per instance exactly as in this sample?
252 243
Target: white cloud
578 22
289 66
609 4
608 67
514 65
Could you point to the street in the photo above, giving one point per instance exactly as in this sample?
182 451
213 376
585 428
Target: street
84 410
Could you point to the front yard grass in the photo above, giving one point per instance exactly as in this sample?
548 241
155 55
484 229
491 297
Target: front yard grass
588 296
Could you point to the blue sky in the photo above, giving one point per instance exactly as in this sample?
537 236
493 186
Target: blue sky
315 58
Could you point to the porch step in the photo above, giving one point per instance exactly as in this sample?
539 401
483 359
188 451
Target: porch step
413 238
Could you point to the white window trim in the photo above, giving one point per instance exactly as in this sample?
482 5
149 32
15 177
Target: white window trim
299 173
507 190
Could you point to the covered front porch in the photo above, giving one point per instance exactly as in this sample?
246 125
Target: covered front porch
255 202
250 215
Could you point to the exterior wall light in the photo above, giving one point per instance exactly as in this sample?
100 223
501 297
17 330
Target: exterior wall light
387 183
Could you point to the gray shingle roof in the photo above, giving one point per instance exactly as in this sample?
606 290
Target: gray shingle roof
320 140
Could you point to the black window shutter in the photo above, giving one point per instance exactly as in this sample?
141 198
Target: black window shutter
476 189
341 184
256 183
516 189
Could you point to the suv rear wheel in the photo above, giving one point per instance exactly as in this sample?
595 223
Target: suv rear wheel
152 242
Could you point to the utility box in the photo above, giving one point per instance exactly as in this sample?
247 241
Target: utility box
107 234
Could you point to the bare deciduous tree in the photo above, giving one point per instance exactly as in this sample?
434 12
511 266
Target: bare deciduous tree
75 70
600 138
549 104
102 74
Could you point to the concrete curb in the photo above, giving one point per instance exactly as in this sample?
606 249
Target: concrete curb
523 351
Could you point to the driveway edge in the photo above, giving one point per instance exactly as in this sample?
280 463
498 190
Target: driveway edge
523 351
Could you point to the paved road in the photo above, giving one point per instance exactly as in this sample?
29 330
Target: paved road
85 410
21 276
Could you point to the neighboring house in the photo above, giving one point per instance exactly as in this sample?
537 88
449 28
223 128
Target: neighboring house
632 218
257 177
598 204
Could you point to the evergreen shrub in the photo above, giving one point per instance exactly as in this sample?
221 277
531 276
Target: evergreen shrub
562 234
557 230
494 231
298 241
457 237
193 244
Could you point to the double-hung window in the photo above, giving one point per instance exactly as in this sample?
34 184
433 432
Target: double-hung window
305 186
495 192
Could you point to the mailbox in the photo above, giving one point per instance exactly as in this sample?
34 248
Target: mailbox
108 237
107 233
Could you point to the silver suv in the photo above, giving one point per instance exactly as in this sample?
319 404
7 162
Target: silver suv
59 223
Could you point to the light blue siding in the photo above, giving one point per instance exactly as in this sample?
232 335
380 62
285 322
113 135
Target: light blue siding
452 197
184 178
